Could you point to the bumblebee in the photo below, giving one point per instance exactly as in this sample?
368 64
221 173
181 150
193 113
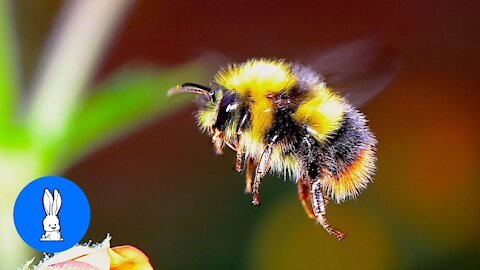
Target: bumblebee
283 118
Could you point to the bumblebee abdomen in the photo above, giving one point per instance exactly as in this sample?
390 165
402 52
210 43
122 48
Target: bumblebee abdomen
348 158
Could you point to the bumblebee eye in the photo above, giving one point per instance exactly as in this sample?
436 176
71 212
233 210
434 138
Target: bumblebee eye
227 101
228 104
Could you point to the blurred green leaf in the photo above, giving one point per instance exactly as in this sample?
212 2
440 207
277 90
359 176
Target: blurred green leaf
8 66
129 98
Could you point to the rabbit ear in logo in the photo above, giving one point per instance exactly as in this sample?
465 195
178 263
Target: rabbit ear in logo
47 202
57 202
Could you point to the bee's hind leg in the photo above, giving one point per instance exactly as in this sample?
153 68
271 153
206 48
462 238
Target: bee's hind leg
260 172
304 196
319 210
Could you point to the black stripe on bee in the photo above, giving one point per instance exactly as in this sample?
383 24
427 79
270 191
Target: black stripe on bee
332 156
284 127
343 148
245 119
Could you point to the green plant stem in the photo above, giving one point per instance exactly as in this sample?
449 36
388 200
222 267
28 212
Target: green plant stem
61 124
69 62
8 68
15 169
76 44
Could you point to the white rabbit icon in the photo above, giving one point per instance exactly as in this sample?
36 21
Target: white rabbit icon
51 223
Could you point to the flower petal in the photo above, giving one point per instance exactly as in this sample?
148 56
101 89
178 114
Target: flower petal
72 265
80 257
128 257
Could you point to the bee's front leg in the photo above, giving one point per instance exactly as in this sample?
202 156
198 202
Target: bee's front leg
218 141
319 210
248 175
260 172
244 119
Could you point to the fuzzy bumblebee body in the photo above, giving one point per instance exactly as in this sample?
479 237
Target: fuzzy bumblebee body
282 118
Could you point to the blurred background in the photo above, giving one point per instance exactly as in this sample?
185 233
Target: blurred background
160 188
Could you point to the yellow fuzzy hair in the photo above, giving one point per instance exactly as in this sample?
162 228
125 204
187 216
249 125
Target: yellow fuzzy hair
253 146
256 79
207 116
322 113
279 163
286 165
353 179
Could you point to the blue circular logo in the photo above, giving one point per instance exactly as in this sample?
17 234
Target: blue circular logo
51 214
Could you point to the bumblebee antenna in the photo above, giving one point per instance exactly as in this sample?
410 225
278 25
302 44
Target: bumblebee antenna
190 88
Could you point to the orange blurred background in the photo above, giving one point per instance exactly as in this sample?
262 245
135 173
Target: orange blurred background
163 190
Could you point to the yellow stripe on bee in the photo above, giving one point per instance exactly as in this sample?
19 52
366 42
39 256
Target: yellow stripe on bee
279 162
257 77
283 164
261 117
353 179
322 113
252 145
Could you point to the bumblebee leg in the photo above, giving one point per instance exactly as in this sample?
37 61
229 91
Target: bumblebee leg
231 146
248 177
239 157
244 116
260 172
217 140
304 196
319 210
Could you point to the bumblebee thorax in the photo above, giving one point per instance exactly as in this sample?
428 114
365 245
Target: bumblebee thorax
257 77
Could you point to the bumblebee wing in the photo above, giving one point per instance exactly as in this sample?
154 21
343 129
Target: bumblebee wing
359 70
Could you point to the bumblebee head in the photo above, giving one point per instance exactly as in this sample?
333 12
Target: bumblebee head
217 105
238 90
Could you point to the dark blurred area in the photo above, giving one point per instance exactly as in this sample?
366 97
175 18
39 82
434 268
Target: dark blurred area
163 190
